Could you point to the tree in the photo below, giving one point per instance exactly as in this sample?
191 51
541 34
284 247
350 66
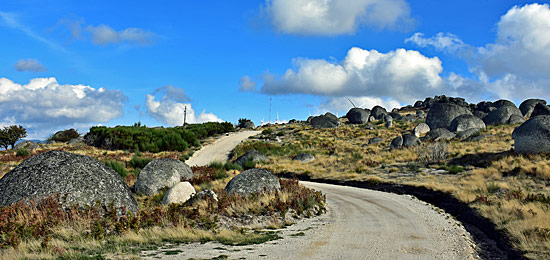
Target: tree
9 135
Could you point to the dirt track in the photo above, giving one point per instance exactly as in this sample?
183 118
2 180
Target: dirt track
220 150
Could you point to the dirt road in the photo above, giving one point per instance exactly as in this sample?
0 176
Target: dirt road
220 150
359 224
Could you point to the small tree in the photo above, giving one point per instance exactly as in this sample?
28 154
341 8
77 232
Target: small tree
9 135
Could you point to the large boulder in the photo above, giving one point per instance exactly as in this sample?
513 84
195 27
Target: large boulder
465 122
252 181
327 120
179 193
410 140
503 102
533 136
501 115
526 107
64 136
421 129
29 145
439 134
480 114
357 116
253 156
161 173
78 179
516 119
468 133
246 123
540 109
442 114
396 143
375 140
378 112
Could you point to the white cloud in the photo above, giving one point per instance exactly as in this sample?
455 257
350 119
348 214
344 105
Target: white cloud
441 41
342 104
334 17
403 75
43 103
247 84
29 65
104 35
516 66
171 109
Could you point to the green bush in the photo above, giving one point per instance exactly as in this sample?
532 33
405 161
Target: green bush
155 139
22 152
139 162
118 167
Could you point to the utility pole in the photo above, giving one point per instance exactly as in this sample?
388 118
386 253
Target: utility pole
184 116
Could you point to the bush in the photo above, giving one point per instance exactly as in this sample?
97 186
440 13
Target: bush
22 152
118 167
9 135
139 162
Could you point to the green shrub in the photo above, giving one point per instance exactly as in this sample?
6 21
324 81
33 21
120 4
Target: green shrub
118 167
139 162
267 131
22 152
250 164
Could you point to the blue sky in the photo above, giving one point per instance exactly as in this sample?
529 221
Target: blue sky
69 64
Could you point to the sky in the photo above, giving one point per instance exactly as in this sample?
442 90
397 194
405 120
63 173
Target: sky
75 64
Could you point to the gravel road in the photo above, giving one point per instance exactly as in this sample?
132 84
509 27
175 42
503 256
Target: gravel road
359 224
220 150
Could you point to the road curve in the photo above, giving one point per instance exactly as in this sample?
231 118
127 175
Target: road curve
220 150
359 224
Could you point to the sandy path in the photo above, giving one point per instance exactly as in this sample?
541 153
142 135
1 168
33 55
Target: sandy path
220 150
359 224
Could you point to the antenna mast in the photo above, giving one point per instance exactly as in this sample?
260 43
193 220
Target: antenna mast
184 116
270 110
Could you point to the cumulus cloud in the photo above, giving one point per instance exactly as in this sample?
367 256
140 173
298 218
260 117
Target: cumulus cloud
516 66
105 35
343 104
247 84
43 103
334 17
31 65
170 109
403 75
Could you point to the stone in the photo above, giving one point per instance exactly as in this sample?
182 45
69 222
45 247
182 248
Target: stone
396 116
304 157
526 107
78 179
325 121
387 118
371 119
253 181
441 115
480 114
251 155
246 124
396 143
410 140
77 140
503 102
375 140
29 145
468 133
483 106
421 129
540 109
439 134
161 173
533 136
418 104
501 115
203 195
389 124
410 118
64 136
465 122
378 112
515 119
179 193
357 116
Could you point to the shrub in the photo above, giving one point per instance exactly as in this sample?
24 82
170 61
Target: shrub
22 152
9 135
139 162
118 167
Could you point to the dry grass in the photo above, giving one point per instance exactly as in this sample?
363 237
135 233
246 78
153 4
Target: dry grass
510 189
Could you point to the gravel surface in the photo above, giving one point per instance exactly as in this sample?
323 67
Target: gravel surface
220 150
359 224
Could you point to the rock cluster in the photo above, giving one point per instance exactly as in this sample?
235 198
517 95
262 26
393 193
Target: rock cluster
161 173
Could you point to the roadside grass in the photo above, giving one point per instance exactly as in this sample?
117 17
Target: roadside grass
510 189
35 232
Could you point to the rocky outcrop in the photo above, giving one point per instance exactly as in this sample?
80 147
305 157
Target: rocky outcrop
438 134
78 179
29 145
410 140
304 157
253 181
179 193
533 136
357 116
161 173
516 119
378 112
253 156
327 120
526 107
540 110
442 114
464 135
396 143
465 122
64 136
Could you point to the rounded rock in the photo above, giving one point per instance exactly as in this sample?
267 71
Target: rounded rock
501 115
357 116
179 193
526 107
465 122
533 136
253 181
442 114
161 173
